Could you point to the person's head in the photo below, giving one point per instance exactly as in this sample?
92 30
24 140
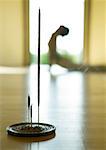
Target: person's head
63 31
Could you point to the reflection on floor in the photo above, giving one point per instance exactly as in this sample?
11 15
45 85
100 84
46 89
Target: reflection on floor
72 101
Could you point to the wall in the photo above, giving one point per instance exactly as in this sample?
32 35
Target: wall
13 32
95 41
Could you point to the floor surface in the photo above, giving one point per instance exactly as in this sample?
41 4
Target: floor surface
75 102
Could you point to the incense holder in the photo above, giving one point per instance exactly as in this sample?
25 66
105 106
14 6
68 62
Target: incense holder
31 130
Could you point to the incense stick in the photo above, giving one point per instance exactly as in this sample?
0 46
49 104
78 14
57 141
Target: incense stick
38 62
28 106
28 101
31 114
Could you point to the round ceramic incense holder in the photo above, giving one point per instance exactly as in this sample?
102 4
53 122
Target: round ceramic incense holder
31 130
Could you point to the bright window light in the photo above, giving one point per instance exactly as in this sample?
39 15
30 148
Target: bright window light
54 13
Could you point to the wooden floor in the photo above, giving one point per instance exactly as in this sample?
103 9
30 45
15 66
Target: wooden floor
74 102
